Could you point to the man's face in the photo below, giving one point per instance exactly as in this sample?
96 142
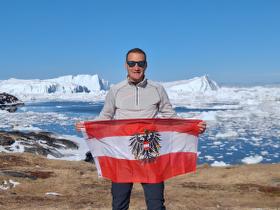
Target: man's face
136 72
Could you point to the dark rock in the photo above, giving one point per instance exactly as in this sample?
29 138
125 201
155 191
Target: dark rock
9 102
89 157
17 174
42 143
48 138
6 140
41 174
27 174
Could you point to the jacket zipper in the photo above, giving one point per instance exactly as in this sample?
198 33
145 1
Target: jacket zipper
137 96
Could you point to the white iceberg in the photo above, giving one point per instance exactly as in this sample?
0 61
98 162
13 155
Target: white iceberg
66 84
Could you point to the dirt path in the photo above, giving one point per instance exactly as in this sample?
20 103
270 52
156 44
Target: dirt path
55 184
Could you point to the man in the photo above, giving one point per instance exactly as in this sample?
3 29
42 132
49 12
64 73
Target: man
137 97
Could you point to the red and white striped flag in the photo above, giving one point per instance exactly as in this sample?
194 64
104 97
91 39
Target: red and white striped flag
143 150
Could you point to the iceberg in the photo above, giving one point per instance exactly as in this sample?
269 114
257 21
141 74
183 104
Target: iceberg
83 83
91 87
196 84
64 84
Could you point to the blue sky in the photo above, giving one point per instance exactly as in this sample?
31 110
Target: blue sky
233 41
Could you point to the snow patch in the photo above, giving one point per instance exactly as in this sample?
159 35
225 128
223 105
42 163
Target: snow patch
8 184
53 193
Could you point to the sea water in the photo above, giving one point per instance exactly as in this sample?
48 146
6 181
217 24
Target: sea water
230 138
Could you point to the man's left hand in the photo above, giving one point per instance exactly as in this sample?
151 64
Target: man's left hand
202 127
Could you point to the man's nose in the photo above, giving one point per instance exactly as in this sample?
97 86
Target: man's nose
136 66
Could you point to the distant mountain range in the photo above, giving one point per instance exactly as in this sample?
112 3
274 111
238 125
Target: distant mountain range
93 84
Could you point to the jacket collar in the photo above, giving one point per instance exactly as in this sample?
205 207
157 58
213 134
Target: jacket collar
143 83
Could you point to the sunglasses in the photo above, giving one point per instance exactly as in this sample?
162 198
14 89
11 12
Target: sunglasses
139 63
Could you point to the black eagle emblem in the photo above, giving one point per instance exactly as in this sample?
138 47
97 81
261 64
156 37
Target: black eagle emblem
145 146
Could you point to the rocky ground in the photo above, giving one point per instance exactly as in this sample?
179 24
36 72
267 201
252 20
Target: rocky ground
29 182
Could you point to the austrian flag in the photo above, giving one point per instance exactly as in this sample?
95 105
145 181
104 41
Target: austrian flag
143 150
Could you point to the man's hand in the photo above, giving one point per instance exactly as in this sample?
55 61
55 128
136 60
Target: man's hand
202 127
79 126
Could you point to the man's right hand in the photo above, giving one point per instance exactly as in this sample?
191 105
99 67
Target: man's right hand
79 126
202 127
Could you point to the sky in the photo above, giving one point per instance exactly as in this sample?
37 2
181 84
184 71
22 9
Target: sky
231 41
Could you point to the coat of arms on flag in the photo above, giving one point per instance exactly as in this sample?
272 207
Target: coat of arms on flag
143 150
145 146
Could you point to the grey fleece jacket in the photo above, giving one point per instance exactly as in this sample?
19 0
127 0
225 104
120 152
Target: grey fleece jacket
147 99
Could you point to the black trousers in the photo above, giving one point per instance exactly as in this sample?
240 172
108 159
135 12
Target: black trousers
154 195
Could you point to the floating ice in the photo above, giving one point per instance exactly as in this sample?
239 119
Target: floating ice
219 164
263 153
25 128
252 159
241 121
228 134
217 143
208 157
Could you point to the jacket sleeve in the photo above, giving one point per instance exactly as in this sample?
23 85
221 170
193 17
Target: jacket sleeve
165 107
108 111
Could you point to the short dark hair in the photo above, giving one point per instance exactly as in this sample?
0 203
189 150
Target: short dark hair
136 50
